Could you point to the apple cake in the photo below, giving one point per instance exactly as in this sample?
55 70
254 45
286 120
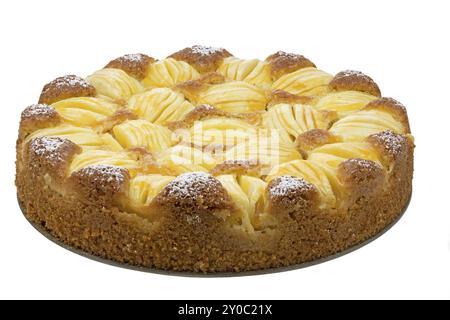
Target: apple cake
205 162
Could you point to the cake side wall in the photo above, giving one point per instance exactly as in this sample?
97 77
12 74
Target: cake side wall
181 244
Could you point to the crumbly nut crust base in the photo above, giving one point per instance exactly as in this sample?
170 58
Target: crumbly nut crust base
181 244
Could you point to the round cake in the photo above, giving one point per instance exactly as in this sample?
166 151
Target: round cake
205 162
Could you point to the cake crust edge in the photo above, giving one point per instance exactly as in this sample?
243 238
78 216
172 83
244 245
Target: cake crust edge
201 241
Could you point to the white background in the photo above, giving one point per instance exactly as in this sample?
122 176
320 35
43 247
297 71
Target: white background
403 45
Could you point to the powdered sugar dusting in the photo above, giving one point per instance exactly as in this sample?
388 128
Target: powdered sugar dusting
361 163
48 147
351 73
191 184
286 185
397 103
242 163
205 107
70 81
205 51
287 55
133 57
38 110
104 172
393 102
393 143
193 219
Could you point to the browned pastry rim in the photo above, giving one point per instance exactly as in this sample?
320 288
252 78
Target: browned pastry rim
83 253
343 174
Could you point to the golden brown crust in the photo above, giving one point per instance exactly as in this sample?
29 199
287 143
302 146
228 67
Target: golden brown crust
148 163
314 138
100 184
190 89
135 65
392 106
206 111
282 63
361 177
203 59
37 116
50 155
281 96
194 192
291 196
65 87
239 167
354 80
392 147
118 117
200 112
